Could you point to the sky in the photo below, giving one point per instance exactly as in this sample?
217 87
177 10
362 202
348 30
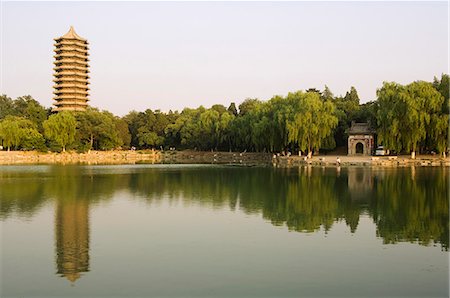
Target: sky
171 55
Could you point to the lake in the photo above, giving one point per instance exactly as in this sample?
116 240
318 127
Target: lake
217 231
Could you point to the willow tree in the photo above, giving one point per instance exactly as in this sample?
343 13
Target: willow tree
10 132
405 112
61 128
389 132
20 132
439 123
311 121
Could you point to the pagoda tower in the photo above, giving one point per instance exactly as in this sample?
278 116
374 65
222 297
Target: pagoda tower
71 72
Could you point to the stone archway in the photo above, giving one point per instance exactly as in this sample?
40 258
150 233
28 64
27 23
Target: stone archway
359 148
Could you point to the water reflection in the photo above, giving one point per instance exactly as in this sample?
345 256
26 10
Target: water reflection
72 238
405 204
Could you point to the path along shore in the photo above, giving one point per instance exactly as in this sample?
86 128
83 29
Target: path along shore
208 157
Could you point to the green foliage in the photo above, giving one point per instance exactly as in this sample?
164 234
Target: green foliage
19 132
407 115
352 96
97 130
61 128
232 109
203 129
24 106
347 110
6 106
443 86
123 133
140 124
311 121
248 105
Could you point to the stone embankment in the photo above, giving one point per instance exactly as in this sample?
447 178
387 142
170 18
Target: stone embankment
375 161
133 157
208 157
93 157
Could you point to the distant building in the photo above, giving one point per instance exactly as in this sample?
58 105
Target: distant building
71 72
360 139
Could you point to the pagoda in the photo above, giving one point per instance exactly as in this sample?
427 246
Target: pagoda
71 72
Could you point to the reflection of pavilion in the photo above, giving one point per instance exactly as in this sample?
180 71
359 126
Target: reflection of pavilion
72 238
360 183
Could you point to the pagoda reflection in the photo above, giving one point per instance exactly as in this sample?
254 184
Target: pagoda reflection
72 238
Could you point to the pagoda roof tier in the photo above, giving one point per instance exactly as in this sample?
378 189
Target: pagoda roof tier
71 34
63 97
73 90
71 85
71 102
69 79
74 66
63 43
69 61
64 67
66 97
64 74
71 49
70 73
69 108
71 55
70 91
60 97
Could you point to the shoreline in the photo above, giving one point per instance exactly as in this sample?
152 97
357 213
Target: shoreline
213 157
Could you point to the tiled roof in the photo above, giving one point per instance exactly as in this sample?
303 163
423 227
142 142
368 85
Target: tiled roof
360 128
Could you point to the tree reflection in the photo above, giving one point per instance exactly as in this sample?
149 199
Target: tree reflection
412 206
405 204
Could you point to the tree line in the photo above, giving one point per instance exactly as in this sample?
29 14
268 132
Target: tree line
408 118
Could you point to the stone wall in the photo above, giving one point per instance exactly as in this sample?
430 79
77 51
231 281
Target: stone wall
208 157
93 157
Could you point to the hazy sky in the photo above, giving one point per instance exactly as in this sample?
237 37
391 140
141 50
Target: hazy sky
184 54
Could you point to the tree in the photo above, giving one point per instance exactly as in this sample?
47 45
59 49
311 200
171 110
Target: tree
28 107
20 132
32 139
97 130
347 109
186 130
404 114
122 132
209 128
439 122
6 106
352 95
443 86
219 108
149 138
279 110
312 120
60 128
225 128
327 94
232 109
10 131
248 105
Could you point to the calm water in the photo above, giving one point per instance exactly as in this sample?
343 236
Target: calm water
201 231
